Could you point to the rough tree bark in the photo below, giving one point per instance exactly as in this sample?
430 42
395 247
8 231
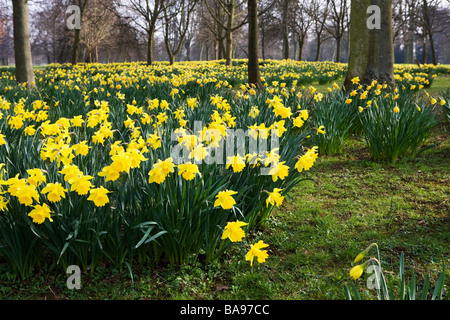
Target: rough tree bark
371 50
77 40
254 76
429 31
22 45
285 25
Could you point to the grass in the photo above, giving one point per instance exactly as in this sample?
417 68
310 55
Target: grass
440 84
313 238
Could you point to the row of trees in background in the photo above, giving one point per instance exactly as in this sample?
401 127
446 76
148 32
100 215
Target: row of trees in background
176 30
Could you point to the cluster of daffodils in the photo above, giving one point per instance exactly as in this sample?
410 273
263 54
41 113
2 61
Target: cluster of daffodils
367 96
116 139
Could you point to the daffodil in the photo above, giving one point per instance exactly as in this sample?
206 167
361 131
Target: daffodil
357 271
282 111
81 148
279 171
55 191
298 122
225 199
275 197
307 160
99 196
255 251
40 213
81 184
237 162
70 172
304 114
254 112
24 192
160 171
154 140
188 170
30 130
121 162
36 177
233 231
321 130
2 139
362 254
77 121
110 173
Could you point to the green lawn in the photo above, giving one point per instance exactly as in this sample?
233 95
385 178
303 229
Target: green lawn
440 84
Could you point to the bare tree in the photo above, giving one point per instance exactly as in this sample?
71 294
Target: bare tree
339 21
235 17
178 19
319 12
146 14
99 27
52 38
285 7
269 24
301 24
212 32
192 33
406 25
429 8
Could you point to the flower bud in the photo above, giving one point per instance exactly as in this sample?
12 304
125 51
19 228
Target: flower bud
357 271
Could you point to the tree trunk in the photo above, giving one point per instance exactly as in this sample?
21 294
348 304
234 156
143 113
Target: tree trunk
76 46
294 45
254 76
301 44
338 50
319 44
77 40
229 37
171 59
425 49
429 31
188 52
409 48
432 49
371 50
150 47
285 30
263 43
22 45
